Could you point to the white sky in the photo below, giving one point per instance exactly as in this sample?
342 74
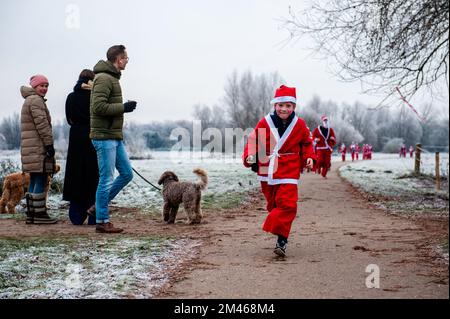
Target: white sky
181 51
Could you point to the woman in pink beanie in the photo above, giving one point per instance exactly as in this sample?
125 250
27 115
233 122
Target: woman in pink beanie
36 148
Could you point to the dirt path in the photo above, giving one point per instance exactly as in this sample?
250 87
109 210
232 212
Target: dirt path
335 236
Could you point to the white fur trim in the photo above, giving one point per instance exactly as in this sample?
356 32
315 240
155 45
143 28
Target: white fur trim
263 178
280 142
283 99
326 138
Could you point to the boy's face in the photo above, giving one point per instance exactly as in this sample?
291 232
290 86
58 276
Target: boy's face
284 109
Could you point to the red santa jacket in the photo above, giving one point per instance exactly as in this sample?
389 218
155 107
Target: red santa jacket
279 159
324 142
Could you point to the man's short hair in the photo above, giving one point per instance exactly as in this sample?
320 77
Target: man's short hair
114 52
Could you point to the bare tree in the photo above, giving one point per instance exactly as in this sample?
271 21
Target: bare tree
210 116
247 97
10 131
383 43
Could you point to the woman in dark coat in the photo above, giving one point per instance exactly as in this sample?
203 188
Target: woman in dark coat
81 179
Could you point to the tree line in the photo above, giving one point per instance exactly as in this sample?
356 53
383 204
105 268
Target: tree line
246 100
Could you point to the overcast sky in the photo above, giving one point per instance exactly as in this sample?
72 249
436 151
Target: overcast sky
181 51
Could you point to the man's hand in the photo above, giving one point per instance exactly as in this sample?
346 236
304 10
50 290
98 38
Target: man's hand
129 106
309 163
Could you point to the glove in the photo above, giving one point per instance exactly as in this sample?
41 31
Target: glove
50 150
251 159
255 167
129 106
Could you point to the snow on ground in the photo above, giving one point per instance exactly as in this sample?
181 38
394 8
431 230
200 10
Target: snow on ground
389 176
119 267
226 174
89 268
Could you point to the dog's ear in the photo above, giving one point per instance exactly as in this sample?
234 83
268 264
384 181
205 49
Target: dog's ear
162 178
175 177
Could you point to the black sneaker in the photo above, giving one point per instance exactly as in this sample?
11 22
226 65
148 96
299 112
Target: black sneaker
280 249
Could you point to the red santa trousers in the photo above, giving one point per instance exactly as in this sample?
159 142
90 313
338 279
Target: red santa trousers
323 162
282 207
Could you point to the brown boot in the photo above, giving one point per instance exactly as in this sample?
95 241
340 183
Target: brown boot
107 228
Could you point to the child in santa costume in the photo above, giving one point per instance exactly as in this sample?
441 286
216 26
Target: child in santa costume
275 150
325 140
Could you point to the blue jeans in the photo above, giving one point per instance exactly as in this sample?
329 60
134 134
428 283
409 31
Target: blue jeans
110 154
37 183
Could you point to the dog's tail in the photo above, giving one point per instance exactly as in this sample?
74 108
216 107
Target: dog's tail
203 182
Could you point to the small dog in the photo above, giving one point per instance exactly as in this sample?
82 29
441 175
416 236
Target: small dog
188 193
15 186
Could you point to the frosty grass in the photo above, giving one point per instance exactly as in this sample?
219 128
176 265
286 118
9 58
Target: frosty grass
389 176
119 267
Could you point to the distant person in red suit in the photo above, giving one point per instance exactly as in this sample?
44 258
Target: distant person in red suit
357 149
403 150
325 140
343 150
411 150
352 150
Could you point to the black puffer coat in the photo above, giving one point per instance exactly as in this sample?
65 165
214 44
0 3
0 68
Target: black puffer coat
81 179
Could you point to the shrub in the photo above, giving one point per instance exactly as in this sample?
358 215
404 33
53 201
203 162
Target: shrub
393 145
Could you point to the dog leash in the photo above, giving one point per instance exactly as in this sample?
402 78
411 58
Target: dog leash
159 189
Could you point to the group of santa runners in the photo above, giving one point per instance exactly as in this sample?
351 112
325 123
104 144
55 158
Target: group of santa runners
402 151
354 150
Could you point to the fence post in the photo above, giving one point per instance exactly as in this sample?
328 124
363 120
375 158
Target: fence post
438 174
417 160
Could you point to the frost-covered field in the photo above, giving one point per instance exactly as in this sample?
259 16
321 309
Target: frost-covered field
120 267
388 175
227 176
80 267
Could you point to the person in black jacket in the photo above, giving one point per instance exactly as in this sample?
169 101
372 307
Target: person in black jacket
81 178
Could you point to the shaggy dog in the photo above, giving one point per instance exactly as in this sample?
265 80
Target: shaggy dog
188 193
15 186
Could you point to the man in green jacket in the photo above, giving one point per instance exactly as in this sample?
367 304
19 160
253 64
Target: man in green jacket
107 109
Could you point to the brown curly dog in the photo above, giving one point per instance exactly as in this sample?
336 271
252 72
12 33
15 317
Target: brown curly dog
15 186
188 193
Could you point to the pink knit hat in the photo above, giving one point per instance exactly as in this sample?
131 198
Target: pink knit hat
38 79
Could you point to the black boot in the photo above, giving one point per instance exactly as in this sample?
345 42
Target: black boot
281 245
30 208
